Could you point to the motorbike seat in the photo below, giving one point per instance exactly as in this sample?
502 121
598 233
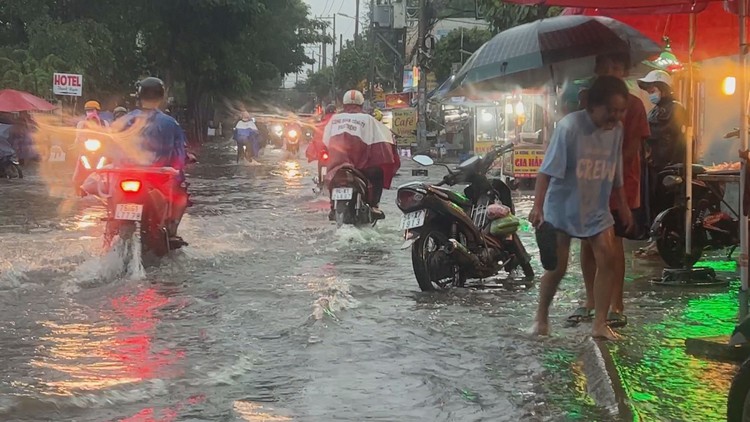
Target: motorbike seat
697 169
452 196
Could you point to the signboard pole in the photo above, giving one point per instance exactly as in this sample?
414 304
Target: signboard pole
422 86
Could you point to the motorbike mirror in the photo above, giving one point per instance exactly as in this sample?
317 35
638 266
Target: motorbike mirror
670 181
423 160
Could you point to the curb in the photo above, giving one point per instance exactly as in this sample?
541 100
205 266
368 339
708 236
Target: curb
603 382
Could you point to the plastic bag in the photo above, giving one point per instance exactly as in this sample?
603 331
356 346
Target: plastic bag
505 226
497 211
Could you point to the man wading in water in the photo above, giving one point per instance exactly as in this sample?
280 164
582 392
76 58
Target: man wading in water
582 167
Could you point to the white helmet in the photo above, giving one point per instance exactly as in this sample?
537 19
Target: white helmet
656 76
354 97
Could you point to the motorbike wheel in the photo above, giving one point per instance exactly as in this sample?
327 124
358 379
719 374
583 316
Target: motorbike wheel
427 258
671 242
13 171
738 400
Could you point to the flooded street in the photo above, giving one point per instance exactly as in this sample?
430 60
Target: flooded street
271 314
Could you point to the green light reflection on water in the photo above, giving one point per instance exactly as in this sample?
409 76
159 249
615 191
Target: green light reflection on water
719 266
661 379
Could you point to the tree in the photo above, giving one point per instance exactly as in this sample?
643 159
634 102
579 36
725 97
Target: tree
503 16
448 49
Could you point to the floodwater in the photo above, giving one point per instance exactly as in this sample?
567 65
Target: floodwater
272 314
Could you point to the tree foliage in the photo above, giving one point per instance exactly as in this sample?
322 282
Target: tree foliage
503 16
448 49
207 48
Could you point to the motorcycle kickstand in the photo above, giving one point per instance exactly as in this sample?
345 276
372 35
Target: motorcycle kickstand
731 251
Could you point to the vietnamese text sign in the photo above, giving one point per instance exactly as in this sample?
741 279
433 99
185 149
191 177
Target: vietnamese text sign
67 84
405 125
526 161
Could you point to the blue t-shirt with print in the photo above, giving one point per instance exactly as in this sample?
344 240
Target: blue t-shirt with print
584 163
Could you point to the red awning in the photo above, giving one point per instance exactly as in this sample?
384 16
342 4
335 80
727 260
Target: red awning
14 101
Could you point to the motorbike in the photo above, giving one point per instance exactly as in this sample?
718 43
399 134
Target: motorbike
738 399
349 190
450 234
92 156
322 171
138 208
712 228
9 165
292 141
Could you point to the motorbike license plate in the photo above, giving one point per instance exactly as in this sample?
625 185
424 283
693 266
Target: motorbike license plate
413 219
56 154
130 212
342 194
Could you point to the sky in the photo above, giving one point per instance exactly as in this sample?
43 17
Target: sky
344 25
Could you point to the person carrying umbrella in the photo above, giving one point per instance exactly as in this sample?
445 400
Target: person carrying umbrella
581 170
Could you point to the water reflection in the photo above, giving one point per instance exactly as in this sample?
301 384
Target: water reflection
114 350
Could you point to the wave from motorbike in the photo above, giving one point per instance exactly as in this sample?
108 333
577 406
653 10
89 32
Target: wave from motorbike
452 236
141 201
350 190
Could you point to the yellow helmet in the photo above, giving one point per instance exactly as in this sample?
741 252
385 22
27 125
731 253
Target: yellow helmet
378 114
92 105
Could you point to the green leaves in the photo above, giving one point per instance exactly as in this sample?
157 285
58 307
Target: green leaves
504 16
448 49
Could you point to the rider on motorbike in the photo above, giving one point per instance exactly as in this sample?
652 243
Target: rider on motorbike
316 146
84 130
367 145
162 138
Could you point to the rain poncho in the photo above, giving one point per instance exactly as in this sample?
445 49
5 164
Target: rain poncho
360 141
246 133
316 146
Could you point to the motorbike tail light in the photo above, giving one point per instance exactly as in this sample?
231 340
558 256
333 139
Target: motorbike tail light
670 181
324 156
92 145
408 199
130 185
85 162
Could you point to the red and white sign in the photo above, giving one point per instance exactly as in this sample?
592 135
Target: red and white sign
67 84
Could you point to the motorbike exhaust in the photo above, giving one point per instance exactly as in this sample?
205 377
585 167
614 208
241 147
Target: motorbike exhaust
461 254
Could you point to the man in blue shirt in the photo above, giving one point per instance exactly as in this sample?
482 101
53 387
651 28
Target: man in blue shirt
162 140
581 167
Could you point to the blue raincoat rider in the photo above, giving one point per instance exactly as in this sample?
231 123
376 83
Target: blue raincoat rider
162 137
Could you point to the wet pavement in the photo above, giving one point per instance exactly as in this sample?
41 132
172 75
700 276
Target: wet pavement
272 314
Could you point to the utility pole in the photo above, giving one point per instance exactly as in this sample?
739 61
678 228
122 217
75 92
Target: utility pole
422 86
371 76
356 24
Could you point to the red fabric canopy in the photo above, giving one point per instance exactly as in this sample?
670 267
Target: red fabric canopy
14 101
716 30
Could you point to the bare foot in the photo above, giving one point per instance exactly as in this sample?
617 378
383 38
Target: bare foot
539 329
604 333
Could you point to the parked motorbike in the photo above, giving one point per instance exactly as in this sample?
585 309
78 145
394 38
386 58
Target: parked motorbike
712 228
9 165
137 207
349 189
449 232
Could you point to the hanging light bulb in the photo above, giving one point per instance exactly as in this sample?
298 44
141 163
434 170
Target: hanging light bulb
667 60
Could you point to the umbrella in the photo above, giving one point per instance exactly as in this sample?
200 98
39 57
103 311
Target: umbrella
14 101
561 48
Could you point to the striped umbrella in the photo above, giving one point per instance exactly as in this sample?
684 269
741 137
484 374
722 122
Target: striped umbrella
560 49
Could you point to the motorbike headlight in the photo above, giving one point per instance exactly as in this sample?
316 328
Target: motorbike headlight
278 129
92 145
671 181
293 133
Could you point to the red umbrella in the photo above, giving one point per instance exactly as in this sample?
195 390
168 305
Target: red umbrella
13 101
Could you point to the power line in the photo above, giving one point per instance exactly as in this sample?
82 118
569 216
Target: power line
341 6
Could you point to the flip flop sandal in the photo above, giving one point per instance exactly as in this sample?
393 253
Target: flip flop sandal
616 320
581 314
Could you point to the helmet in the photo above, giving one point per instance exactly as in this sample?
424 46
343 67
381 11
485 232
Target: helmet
119 110
330 109
378 114
656 76
92 105
150 88
354 97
